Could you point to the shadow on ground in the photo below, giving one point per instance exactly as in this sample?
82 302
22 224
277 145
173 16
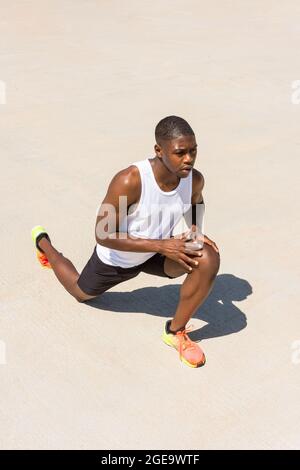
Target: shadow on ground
222 317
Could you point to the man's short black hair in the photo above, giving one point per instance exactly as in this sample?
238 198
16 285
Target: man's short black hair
172 127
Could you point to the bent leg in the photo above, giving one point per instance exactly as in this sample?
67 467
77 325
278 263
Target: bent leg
64 270
196 287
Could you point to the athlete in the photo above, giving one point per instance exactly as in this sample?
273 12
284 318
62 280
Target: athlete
133 236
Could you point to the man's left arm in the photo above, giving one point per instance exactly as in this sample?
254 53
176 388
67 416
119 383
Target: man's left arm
198 206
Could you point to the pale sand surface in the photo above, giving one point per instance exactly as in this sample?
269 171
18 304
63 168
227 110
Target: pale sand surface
86 83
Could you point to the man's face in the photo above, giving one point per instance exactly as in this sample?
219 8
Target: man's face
178 155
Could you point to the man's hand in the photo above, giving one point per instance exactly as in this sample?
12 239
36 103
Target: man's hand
174 248
203 238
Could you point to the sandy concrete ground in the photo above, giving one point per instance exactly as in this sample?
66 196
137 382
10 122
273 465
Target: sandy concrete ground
86 83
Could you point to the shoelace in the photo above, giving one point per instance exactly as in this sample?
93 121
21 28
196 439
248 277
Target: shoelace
184 340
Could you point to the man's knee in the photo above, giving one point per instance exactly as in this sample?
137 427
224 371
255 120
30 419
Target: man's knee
79 294
84 299
210 260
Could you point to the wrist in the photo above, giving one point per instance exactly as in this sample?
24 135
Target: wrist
158 245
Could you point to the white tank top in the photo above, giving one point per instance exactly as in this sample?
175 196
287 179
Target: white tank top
154 216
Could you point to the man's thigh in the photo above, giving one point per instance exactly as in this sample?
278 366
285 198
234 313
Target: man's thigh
159 265
173 269
98 277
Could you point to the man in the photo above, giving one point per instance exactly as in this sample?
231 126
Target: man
134 241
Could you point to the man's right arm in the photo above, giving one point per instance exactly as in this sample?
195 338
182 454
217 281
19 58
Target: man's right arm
126 183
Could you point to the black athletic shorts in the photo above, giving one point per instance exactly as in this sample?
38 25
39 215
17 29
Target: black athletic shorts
97 277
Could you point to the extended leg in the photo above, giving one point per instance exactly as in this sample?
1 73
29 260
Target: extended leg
64 270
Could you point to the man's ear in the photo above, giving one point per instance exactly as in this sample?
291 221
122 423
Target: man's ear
158 150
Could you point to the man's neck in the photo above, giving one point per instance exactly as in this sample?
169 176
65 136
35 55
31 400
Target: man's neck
163 175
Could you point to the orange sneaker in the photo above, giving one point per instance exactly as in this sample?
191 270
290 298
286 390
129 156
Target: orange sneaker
189 352
43 260
37 233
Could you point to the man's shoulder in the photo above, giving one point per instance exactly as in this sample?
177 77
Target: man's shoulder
128 176
197 175
198 178
127 182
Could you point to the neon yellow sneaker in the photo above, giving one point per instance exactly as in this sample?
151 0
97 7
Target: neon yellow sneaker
37 233
189 352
